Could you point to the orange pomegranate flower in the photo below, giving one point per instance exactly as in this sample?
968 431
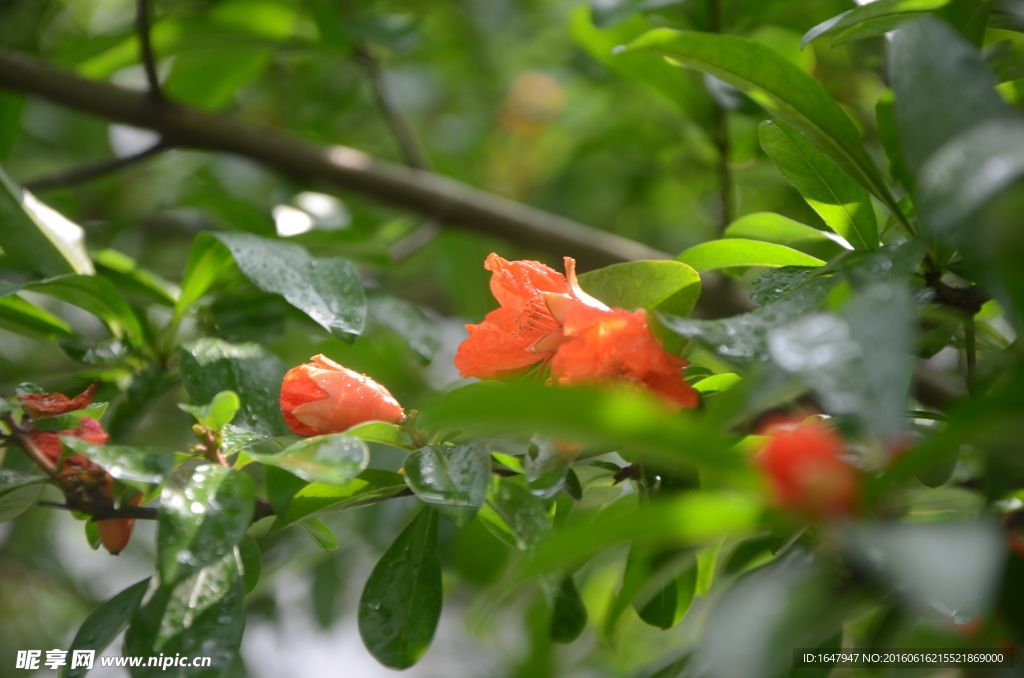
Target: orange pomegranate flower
545 316
804 465
617 346
52 404
324 397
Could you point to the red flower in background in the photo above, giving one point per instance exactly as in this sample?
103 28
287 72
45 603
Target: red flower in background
545 316
324 397
803 461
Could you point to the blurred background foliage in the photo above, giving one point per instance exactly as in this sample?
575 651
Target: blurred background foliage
518 97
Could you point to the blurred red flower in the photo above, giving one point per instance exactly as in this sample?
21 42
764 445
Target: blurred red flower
52 404
545 316
804 465
324 397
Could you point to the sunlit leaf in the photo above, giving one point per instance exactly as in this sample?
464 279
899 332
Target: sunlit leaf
735 252
317 498
334 459
670 286
872 19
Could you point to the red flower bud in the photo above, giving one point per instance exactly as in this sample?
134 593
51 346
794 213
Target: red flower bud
807 474
115 532
324 397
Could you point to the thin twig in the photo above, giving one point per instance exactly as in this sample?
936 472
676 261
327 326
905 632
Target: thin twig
142 24
411 150
415 241
78 175
722 137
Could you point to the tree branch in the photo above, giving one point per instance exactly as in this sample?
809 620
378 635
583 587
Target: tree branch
342 167
142 23
411 150
77 175
345 168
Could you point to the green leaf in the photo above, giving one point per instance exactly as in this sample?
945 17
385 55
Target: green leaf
719 382
734 252
201 616
211 366
569 614
743 338
334 459
408 322
770 227
18 493
22 317
777 283
218 413
670 286
126 274
96 295
203 516
514 515
207 261
925 57
889 135
454 479
841 202
104 624
858 364
320 533
327 290
36 237
250 558
600 417
316 498
780 87
381 432
138 467
695 518
401 603
668 602
235 439
870 20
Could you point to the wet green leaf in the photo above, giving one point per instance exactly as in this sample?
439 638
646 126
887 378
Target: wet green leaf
327 290
203 516
211 366
514 515
218 413
201 616
139 467
454 479
408 322
18 493
401 603
381 432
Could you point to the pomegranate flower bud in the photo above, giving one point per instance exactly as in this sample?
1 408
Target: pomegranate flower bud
324 397
807 474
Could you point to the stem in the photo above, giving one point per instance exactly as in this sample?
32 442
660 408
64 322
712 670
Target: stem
77 175
20 435
411 150
722 134
146 48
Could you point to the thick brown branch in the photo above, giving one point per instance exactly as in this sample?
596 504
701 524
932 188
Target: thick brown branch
346 168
